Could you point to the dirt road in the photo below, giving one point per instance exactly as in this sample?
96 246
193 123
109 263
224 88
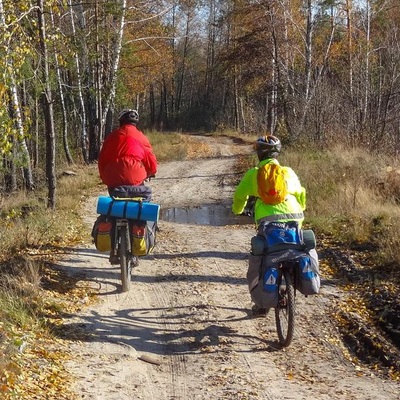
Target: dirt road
184 330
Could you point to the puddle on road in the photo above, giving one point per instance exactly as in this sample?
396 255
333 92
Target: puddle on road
215 215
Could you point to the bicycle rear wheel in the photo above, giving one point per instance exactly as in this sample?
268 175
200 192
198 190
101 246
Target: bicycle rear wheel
124 260
285 310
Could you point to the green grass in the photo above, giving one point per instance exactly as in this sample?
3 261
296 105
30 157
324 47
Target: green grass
17 310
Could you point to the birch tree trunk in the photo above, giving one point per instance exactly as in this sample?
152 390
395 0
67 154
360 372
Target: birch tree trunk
311 87
308 50
99 91
350 45
181 82
62 102
210 60
84 139
20 142
275 72
366 79
118 46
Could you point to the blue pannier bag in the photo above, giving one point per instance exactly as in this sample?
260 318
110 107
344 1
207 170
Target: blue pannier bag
309 279
264 286
277 233
280 235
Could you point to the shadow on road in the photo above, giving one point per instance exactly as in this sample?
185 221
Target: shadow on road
167 331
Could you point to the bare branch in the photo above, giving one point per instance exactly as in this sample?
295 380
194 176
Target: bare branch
22 16
155 37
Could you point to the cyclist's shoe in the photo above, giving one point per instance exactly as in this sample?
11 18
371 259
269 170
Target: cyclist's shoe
134 262
259 311
114 259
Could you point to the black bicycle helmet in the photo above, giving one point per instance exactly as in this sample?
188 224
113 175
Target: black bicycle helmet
128 116
267 147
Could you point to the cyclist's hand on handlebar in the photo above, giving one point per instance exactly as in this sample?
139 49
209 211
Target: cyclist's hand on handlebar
247 213
149 177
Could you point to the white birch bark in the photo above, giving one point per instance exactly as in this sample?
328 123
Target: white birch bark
20 140
366 79
84 138
349 18
62 101
118 47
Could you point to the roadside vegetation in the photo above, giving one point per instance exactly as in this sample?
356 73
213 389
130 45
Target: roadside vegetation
353 207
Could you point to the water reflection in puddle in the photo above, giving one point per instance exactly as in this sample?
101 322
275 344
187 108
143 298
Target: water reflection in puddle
215 215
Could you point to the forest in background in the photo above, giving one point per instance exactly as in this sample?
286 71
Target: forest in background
307 70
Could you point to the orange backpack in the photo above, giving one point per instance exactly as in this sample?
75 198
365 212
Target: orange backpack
272 183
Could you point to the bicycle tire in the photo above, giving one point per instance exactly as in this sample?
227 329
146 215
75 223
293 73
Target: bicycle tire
124 260
285 310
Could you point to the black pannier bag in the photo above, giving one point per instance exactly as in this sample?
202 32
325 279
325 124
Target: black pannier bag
130 192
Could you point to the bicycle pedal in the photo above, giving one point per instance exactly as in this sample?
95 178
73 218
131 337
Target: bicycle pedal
114 260
258 311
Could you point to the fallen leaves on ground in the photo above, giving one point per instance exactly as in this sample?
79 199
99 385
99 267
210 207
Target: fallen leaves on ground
34 360
368 313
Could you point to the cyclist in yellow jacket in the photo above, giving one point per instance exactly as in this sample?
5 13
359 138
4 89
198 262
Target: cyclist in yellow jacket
268 148
291 209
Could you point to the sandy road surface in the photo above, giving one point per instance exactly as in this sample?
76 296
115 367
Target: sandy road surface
184 329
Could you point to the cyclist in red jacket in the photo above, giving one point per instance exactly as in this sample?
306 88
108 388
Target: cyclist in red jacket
126 157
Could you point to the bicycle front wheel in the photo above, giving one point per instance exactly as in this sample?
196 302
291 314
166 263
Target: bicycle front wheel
285 310
124 260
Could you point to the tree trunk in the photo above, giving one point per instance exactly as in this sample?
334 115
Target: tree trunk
47 102
115 66
181 82
62 101
19 142
10 177
99 87
84 139
366 78
350 45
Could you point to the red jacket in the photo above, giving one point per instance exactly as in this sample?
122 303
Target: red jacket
126 157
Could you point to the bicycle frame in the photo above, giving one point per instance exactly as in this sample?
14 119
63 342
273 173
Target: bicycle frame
122 248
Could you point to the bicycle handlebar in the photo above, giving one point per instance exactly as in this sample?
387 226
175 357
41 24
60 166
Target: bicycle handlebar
149 178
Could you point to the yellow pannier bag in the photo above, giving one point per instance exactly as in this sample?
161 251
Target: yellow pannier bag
143 237
102 233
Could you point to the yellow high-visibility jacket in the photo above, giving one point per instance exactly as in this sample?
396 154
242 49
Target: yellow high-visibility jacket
291 209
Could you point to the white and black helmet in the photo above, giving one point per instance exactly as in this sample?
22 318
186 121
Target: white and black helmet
267 146
128 116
